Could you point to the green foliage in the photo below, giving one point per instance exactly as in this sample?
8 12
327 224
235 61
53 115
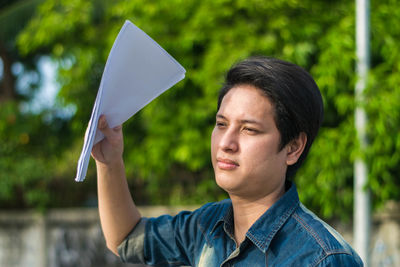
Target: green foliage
13 17
383 104
22 171
167 144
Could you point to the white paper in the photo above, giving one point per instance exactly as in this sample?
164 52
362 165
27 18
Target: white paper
136 72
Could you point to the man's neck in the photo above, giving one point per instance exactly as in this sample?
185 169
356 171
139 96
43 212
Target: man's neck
246 211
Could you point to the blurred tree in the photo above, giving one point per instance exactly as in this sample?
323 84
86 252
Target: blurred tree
167 144
16 127
13 17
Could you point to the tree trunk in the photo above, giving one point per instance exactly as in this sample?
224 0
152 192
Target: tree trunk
7 83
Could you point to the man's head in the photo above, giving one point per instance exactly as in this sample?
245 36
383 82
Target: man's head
296 99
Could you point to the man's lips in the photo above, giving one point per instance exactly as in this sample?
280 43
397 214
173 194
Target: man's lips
226 164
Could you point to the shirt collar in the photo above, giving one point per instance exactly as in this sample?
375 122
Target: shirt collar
226 218
264 229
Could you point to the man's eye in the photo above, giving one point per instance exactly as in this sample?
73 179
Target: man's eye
220 124
251 130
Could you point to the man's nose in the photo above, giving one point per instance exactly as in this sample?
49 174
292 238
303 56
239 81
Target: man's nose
229 141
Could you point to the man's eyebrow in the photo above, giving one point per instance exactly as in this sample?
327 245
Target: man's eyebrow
249 121
220 116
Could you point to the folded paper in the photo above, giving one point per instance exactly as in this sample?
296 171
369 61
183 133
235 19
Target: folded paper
136 72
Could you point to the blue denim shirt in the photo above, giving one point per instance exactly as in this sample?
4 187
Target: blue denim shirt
287 234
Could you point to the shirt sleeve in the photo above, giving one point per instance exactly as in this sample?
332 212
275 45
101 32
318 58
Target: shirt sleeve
170 240
165 240
341 259
131 249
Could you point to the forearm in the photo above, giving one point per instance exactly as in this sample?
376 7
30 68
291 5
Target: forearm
118 213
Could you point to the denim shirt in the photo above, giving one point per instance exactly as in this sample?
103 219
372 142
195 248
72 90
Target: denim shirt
287 234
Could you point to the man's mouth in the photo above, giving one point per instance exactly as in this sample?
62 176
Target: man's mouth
227 164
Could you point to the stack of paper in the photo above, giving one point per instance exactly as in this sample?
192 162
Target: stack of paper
137 71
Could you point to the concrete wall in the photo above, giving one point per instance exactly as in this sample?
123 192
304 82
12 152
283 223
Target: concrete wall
72 237
59 238
385 249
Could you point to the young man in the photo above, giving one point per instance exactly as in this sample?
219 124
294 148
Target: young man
269 112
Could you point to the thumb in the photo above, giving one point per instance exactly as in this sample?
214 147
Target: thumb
103 126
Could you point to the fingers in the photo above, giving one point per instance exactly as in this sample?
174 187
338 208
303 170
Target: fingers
103 125
105 129
109 133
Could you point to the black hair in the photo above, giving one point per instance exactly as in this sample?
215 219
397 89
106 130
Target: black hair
293 92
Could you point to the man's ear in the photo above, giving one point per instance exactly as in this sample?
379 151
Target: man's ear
295 148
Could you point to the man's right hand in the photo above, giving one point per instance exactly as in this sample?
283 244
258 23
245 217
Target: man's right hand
109 150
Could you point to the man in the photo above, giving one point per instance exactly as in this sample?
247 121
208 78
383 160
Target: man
269 112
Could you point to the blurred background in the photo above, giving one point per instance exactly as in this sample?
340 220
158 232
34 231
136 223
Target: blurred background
53 54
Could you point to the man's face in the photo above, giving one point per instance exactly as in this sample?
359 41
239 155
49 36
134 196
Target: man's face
245 145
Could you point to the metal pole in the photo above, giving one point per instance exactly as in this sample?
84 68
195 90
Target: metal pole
362 213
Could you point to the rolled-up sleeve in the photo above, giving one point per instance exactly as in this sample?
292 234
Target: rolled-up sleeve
165 240
132 248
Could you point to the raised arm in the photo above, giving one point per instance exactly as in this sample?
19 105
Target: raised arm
118 213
